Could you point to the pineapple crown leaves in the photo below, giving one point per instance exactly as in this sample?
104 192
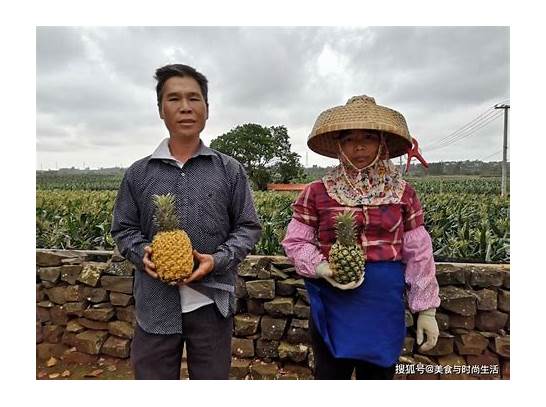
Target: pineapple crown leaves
346 228
165 217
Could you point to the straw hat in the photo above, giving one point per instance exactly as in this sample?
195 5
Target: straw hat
360 112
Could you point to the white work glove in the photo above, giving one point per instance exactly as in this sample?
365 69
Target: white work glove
323 271
426 323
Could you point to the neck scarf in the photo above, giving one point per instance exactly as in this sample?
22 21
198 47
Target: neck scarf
380 183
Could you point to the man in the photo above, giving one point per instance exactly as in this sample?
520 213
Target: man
215 208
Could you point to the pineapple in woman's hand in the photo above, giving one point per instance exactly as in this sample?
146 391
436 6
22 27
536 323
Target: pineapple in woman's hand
171 246
346 257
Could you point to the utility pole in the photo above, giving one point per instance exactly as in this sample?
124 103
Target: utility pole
504 148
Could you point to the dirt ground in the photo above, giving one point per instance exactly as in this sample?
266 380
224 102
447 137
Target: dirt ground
104 369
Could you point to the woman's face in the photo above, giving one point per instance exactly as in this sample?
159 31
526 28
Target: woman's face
360 146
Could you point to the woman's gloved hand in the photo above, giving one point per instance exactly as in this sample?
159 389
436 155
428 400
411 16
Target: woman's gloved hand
323 271
426 324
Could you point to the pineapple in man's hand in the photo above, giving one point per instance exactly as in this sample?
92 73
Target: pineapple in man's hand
171 246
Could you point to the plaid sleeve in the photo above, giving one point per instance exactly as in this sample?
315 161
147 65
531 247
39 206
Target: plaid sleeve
304 209
412 211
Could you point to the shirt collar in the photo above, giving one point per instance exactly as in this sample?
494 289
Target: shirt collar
162 151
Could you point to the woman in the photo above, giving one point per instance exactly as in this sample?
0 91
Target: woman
361 325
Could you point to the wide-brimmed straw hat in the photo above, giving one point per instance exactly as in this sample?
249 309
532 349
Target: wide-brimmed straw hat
360 112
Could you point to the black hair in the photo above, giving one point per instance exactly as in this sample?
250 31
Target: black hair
168 71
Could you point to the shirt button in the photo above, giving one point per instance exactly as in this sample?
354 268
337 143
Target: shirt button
183 174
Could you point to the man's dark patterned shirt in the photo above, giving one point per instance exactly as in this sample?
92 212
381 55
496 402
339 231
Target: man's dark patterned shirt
214 205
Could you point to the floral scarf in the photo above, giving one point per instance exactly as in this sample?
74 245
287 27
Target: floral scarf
380 183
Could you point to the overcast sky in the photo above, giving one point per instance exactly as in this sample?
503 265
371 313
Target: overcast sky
96 103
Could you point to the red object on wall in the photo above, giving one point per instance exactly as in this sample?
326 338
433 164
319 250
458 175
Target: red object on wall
414 152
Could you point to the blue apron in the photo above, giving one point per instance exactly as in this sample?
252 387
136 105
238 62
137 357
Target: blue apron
366 323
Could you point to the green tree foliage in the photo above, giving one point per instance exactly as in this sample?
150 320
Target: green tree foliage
264 152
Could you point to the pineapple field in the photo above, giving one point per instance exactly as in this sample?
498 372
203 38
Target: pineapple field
466 217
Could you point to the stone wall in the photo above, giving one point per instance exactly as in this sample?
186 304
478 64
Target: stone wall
85 309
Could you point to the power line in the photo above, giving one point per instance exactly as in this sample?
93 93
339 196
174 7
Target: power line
462 132
468 132
491 155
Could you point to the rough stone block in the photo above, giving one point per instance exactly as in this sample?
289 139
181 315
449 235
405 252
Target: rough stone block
487 299
298 332
99 314
240 368
126 314
478 277
504 300
280 307
460 321
120 268
242 348
491 321
69 339
294 352
74 293
487 359
500 345
246 324
245 269
120 284
301 310
95 295
263 371
457 300
49 259
295 372
70 273
117 347
52 333
91 272
240 288
74 327
261 289
50 274
443 347
448 274
122 329
471 343
120 299
56 294
74 308
94 325
272 328
255 307
267 349
90 341
302 293
58 315
42 314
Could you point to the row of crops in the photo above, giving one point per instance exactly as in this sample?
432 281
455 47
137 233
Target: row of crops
466 218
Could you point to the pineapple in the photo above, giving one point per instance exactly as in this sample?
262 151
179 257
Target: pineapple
346 257
171 246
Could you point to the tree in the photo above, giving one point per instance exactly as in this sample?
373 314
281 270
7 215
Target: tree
264 152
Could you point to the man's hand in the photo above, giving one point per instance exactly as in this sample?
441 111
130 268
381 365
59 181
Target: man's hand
206 265
149 266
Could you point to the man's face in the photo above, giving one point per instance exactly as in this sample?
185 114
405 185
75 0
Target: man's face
183 107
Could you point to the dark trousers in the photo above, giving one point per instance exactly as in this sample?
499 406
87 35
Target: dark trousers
327 367
207 335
